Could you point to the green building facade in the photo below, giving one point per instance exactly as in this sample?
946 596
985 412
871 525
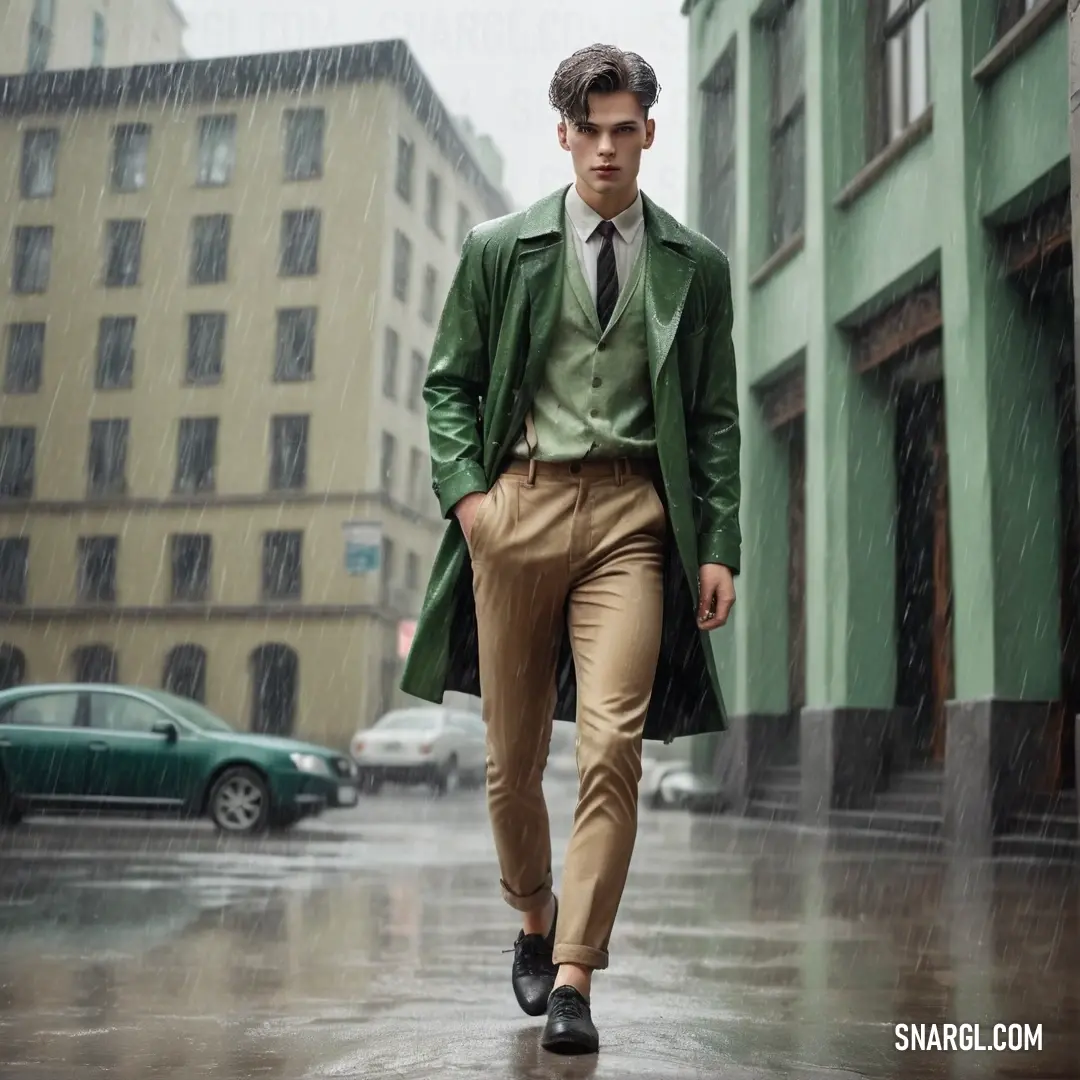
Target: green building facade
890 180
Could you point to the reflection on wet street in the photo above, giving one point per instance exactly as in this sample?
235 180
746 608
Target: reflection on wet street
370 945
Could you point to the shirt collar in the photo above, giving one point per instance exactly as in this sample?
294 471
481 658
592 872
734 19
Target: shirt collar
585 219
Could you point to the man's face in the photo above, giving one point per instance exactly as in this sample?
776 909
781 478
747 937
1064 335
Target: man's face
607 149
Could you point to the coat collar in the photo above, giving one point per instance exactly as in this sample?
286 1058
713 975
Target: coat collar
669 270
545 218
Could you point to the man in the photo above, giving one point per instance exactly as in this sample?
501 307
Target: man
585 444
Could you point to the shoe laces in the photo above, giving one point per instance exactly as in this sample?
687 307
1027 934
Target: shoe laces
532 955
566 1003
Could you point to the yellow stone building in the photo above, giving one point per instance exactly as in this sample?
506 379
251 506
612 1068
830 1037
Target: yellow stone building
223 279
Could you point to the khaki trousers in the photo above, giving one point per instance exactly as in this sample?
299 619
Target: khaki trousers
576 549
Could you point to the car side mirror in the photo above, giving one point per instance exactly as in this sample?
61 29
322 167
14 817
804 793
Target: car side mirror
166 728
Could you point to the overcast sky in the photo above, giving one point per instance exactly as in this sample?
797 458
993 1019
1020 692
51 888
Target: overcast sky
489 59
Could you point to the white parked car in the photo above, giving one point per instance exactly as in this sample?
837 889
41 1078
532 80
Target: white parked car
443 748
673 785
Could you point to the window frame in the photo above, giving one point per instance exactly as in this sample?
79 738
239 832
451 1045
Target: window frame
188 425
203 584
279 481
33 346
107 590
291 120
784 125
213 233
110 329
23 284
883 28
109 439
50 137
294 316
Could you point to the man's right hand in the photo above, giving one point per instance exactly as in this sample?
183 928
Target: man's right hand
465 511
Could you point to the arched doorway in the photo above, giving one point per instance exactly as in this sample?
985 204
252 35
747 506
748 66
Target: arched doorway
274 679
95 664
185 672
12 667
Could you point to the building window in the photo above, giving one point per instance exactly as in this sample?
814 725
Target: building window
391 349
14 566
116 353
25 357
191 554
206 347
131 150
406 161
300 243
217 150
1010 12
123 253
288 453
106 463
402 265
416 464
282 562
433 211
412 571
718 153
97 569
37 174
33 259
295 345
464 223
387 458
787 135
417 375
17 451
100 41
196 457
304 131
899 76
210 249
95 664
185 672
427 299
41 35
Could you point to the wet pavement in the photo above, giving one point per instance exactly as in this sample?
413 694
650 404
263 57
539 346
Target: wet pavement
370 945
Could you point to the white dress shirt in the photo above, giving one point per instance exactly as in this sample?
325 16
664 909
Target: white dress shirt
627 239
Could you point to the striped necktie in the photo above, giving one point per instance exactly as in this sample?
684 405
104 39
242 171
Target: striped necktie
607 276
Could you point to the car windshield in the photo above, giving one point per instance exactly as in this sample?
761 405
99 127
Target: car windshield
408 721
194 713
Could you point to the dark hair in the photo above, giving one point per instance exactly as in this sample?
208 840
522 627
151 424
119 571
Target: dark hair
600 69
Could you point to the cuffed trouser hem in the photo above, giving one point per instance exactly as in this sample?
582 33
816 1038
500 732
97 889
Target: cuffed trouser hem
582 955
534 900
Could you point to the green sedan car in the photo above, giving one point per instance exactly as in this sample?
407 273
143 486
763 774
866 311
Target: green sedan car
127 749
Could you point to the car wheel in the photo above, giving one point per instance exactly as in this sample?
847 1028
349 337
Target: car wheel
240 801
656 800
449 778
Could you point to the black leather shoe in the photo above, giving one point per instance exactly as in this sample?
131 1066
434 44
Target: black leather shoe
534 970
569 1028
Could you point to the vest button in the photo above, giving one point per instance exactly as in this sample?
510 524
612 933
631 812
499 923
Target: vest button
598 381
601 346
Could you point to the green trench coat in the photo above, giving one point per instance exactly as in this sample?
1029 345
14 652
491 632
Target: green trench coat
486 363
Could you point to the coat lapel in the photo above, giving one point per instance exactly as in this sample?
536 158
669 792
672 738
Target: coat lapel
668 274
539 274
